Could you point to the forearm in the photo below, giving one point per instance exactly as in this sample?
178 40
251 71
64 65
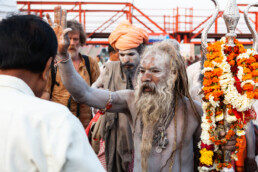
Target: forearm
250 140
82 93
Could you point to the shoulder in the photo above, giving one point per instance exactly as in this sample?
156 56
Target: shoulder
195 66
111 65
49 109
92 60
191 106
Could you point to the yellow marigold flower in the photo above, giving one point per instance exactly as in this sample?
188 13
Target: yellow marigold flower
206 156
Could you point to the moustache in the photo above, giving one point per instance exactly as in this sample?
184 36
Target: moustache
72 48
128 64
148 87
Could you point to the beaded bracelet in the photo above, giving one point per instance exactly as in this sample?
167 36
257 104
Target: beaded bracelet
62 60
108 105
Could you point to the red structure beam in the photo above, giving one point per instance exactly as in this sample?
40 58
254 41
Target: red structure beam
143 24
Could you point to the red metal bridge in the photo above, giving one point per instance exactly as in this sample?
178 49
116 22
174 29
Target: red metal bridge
100 18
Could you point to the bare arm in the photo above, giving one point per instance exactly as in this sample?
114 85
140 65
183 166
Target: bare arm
81 92
250 164
73 82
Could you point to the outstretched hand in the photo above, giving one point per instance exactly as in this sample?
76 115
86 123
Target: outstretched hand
59 26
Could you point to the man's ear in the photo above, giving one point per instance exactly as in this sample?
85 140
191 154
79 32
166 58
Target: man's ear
45 73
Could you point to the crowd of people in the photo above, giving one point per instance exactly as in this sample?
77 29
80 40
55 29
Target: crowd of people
145 118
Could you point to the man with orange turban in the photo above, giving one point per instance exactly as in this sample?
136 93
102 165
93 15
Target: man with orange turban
128 40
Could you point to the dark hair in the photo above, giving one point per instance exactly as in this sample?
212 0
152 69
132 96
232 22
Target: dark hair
140 48
26 42
111 49
76 26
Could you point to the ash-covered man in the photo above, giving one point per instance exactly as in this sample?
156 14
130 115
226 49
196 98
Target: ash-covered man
86 66
115 129
165 120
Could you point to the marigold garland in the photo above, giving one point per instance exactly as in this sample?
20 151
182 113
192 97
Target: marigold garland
221 91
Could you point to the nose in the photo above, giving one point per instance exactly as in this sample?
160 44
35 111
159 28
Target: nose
126 59
146 77
71 41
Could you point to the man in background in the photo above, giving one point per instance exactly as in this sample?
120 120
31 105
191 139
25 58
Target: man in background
114 128
86 66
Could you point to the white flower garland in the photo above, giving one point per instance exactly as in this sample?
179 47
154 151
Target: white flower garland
239 102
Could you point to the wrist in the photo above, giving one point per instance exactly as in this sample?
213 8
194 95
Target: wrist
62 58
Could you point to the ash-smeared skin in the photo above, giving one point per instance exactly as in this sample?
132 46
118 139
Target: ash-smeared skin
129 59
129 56
124 101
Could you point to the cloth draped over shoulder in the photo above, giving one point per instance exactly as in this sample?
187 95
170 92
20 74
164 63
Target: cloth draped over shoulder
114 128
127 36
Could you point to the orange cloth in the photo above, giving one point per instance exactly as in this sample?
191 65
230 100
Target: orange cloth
241 155
114 56
126 36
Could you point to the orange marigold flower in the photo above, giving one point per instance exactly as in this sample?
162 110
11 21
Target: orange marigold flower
254 65
210 56
241 62
215 80
248 87
217 72
255 79
256 57
255 73
229 166
207 90
230 111
232 62
220 165
208 64
218 59
251 60
231 56
221 122
207 82
218 112
208 75
247 70
250 94
247 77
256 94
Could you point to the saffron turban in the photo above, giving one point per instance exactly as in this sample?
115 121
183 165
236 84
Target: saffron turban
126 36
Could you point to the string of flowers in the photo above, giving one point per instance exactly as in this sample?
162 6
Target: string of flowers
230 87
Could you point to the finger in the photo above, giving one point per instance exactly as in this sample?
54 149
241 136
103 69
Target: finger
49 20
57 14
230 143
63 19
229 148
222 134
66 31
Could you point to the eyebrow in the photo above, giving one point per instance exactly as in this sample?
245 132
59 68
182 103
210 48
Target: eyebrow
149 68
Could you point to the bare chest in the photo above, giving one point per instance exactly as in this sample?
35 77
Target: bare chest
180 146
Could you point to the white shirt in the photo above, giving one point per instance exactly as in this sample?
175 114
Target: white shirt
38 135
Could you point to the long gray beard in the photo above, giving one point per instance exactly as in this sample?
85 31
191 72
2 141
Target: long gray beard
151 107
